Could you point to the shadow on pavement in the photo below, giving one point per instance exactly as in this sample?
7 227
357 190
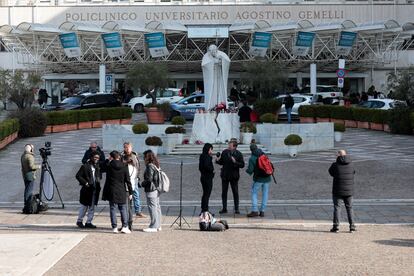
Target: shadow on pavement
397 242
278 229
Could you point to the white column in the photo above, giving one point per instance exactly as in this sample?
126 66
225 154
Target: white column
102 74
313 79
299 80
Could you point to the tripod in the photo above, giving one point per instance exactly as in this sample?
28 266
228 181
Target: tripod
180 217
46 168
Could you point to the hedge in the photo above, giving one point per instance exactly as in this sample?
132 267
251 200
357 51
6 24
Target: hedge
8 127
323 111
307 111
85 115
341 113
412 120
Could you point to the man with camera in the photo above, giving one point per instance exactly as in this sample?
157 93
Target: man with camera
29 169
232 161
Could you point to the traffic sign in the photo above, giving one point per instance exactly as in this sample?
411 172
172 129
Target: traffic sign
340 82
340 73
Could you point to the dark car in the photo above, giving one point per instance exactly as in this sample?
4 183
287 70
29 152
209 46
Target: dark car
85 101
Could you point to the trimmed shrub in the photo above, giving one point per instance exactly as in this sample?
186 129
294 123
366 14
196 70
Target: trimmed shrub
248 127
8 127
126 113
323 111
268 118
339 127
307 111
178 120
71 116
264 106
174 129
399 120
362 114
153 141
379 116
341 113
412 119
293 140
33 122
140 128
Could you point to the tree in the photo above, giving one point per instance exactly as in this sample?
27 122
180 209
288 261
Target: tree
265 77
19 87
149 78
402 85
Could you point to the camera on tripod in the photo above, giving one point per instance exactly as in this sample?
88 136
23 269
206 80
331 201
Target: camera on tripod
46 151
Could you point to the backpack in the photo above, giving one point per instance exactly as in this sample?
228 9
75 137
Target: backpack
264 167
33 206
163 181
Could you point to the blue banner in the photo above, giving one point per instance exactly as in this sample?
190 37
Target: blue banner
261 40
69 40
155 40
305 39
112 40
347 39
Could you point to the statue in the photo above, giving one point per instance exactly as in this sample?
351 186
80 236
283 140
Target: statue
215 65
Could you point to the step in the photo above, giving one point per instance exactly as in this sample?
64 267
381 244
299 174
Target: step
191 149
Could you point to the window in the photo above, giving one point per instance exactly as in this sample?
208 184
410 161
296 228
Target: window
196 100
89 100
377 104
167 93
298 99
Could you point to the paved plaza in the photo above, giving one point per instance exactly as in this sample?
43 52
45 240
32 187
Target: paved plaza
292 238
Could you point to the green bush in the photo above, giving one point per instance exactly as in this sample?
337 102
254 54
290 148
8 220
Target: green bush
140 128
323 111
33 122
174 129
362 114
178 120
153 141
399 120
248 127
264 106
293 140
268 118
307 111
339 127
412 119
111 113
8 127
126 113
341 113
379 116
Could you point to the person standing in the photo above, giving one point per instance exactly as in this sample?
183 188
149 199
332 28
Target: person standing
114 190
232 161
151 185
244 112
289 103
92 149
343 173
29 168
130 158
89 178
206 169
260 181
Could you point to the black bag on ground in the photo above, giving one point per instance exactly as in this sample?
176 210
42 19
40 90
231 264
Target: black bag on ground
34 205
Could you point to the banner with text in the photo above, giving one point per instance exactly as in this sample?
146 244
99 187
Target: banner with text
304 42
70 44
113 44
345 43
156 44
260 44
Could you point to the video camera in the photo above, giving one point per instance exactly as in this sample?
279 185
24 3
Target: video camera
46 151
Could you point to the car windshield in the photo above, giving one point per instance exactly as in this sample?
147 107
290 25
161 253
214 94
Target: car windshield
197 99
72 100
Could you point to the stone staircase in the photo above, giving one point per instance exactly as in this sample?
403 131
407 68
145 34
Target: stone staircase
191 149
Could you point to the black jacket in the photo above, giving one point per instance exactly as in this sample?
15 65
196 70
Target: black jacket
84 176
205 165
151 179
117 182
230 170
88 154
244 113
289 102
342 172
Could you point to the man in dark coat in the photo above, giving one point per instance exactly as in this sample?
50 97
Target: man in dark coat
116 185
206 169
89 178
289 103
342 172
244 112
92 149
232 161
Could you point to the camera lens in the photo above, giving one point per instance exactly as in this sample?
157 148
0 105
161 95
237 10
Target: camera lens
218 154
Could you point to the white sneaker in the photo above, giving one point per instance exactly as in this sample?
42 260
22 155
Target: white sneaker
115 230
150 230
159 229
125 230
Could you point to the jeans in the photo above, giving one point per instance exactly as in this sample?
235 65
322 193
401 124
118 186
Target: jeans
130 210
265 194
28 191
122 209
137 202
207 184
90 209
154 208
234 188
337 209
289 115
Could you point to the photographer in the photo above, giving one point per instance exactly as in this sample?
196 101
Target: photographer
29 169
232 161
206 169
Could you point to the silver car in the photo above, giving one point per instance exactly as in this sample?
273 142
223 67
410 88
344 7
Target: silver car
298 99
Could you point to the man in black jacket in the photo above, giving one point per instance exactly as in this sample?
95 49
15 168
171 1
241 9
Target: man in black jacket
342 172
206 169
232 161
92 149
116 184
289 103
89 178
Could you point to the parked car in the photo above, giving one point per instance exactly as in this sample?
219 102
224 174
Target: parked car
187 107
326 91
85 101
382 103
165 95
298 99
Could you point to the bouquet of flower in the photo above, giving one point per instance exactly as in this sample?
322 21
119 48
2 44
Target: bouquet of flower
186 142
198 142
220 107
